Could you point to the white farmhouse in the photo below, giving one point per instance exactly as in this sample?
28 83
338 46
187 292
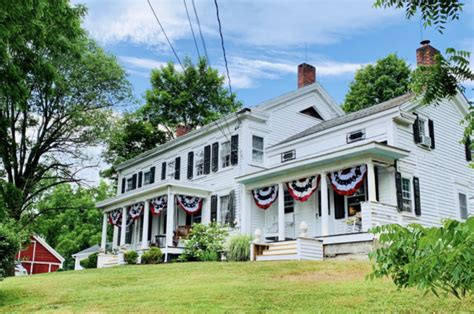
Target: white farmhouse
297 172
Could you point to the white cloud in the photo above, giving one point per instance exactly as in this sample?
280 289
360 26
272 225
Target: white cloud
142 63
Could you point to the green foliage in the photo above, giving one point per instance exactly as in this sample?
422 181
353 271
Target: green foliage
70 222
191 98
56 90
432 12
9 246
152 256
90 261
205 243
387 78
431 259
239 248
130 257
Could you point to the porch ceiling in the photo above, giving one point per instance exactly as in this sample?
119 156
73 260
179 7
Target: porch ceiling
329 161
153 190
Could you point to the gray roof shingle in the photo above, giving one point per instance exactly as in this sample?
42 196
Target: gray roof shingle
389 104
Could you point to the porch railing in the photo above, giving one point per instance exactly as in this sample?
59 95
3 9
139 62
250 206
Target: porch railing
377 214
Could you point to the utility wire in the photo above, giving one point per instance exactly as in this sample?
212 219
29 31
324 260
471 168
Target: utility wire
200 33
192 29
166 36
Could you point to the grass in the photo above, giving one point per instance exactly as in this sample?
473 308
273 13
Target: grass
219 287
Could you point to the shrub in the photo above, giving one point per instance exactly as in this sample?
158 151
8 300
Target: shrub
130 257
432 259
90 261
152 256
205 243
9 246
238 249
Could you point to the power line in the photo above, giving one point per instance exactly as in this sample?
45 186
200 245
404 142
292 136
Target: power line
200 33
223 47
192 29
166 36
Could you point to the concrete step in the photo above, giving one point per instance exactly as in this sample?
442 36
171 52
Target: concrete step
279 252
287 257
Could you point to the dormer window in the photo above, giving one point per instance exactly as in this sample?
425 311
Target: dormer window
310 111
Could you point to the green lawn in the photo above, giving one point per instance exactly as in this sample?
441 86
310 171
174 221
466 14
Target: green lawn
219 287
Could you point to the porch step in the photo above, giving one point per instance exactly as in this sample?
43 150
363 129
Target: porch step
279 252
282 243
286 257
282 247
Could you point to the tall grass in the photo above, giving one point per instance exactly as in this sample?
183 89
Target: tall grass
238 249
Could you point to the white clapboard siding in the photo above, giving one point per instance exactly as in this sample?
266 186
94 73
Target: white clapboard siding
309 249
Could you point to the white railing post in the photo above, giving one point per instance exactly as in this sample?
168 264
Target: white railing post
281 212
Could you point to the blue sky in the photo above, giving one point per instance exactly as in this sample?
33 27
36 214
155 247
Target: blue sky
265 40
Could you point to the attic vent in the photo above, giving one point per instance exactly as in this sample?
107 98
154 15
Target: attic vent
312 113
289 155
355 136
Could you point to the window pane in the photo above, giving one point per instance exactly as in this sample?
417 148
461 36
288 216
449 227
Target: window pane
225 154
406 194
257 156
257 142
463 205
224 210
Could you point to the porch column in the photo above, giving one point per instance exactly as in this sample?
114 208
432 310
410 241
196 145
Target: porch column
206 211
281 212
115 237
146 219
324 205
371 181
245 211
124 226
170 219
103 241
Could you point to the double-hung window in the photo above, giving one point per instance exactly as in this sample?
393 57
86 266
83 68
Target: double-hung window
171 169
129 183
422 127
257 149
225 154
225 214
146 178
199 162
406 195
463 205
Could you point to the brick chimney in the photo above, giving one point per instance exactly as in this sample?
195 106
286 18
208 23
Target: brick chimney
306 75
182 130
425 55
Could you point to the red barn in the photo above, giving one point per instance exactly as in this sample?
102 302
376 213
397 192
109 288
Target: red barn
39 257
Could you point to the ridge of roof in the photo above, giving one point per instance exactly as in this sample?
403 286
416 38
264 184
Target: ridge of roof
386 105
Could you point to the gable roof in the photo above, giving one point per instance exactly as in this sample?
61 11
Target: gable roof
49 248
389 104
89 250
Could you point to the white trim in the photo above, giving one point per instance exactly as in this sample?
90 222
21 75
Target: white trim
42 263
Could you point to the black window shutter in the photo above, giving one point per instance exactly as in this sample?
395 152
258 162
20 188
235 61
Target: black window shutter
124 182
339 207
207 159
163 170
376 173
190 165
432 135
234 149
467 146
213 208
189 219
416 131
177 168
319 203
398 187
140 179
215 157
134 181
152 175
231 208
416 192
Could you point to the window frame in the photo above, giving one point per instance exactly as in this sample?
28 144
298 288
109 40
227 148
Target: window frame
220 210
170 169
199 162
129 183
225 157
258 150
145 175
410 194
459 193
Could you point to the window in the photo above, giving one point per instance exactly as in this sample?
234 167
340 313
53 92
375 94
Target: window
354 201
146 178
199 162
421 127
406 195
257 149
463 205
129 184
289 203
224 211
171 169
225 154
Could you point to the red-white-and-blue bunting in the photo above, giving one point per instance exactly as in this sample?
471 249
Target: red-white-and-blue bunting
190 204
264 197
302 189
115 217
348 181
158 204
136 210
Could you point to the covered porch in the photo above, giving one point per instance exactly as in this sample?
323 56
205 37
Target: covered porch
334 197
160 216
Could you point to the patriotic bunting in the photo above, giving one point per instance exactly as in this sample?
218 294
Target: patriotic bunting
189 204
136 210
115 217
158 204
264 197
348 181
302 189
